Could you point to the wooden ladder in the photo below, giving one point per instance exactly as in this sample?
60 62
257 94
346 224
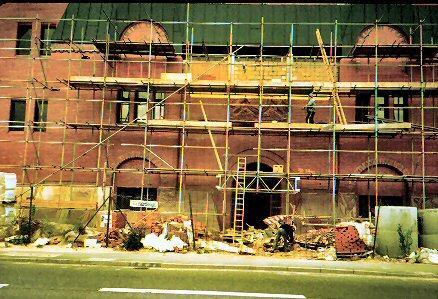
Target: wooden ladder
239 200
337 101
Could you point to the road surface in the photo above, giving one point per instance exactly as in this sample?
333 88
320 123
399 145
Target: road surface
38 280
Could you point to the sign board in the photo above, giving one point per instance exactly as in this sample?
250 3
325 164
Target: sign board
148 204
8 183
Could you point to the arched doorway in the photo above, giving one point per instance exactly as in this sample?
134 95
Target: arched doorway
258 206
389 193
131 184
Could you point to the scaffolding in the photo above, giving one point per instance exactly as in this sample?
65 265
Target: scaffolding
248 100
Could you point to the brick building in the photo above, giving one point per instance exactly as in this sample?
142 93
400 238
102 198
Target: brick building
159 101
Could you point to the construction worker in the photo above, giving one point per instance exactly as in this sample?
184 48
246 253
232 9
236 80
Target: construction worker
286 231
310 107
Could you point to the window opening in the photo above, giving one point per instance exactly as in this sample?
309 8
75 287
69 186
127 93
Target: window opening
362 109
158 106
24 36
141 107
123 106
400 109
17 115
382 107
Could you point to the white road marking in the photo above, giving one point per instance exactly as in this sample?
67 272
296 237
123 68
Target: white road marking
204 293
2 285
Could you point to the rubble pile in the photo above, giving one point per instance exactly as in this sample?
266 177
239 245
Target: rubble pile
115 238
324 237
176 233
424 256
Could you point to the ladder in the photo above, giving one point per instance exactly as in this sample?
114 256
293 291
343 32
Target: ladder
239 200
335 95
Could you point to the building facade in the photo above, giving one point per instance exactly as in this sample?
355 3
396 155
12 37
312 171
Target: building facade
160 101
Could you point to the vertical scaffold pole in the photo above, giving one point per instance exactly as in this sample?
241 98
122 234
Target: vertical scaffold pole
259 135
376 131
227 131
30 215
184 115
146 117
334 137
27 125
66 103
423 157
102 104
289 116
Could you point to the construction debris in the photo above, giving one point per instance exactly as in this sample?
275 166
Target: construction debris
365 230
175 234
424 255
327 254
161 244
218 246
41 242
324 237
115 238
91 243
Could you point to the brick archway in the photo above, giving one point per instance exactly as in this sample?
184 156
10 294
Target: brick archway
385 162
269 158
133 177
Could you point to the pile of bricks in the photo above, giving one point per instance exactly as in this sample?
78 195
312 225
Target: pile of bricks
115 238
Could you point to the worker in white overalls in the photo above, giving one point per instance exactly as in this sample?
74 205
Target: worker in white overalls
310 107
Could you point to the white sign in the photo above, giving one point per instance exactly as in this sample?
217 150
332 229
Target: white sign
104 220
144 204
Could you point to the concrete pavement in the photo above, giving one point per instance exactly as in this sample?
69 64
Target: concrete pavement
147 259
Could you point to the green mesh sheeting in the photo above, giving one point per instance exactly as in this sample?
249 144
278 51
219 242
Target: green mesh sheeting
90 21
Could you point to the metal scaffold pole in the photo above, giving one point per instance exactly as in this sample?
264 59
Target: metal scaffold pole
102 104
227 130
260 106
376 108
334 136
289 116
423 156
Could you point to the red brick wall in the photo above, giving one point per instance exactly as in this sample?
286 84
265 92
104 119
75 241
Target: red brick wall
71 106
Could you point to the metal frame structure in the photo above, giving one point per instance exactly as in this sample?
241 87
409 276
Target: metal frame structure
227 90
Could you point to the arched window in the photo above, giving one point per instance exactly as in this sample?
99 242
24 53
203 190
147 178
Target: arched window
145 31
386 35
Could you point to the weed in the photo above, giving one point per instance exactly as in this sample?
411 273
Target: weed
405 239
133 241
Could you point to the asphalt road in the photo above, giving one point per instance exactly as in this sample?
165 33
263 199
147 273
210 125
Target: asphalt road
36 280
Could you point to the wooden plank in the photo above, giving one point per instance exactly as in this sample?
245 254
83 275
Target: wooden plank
60 204
337 127
319 86
189 123
218 159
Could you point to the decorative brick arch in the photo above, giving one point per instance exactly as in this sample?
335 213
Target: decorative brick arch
387 35
140 31
268 157
135 178
394 165
128 157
